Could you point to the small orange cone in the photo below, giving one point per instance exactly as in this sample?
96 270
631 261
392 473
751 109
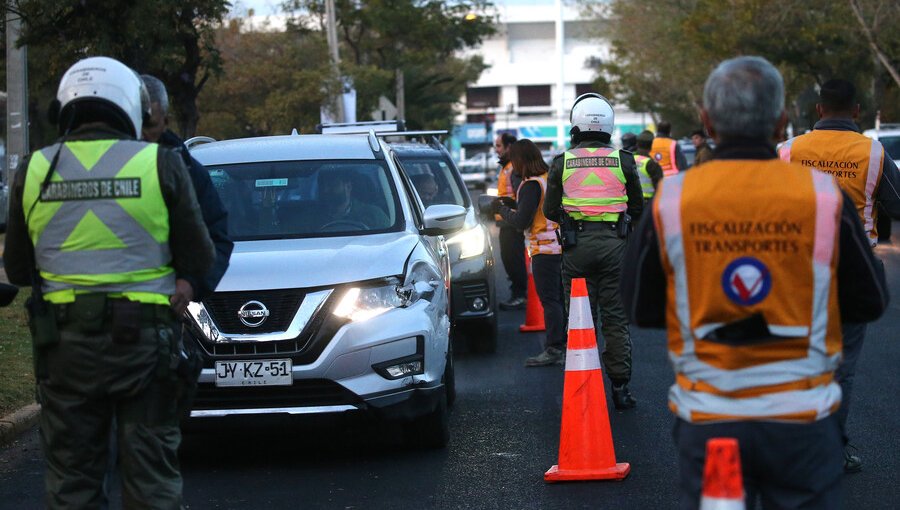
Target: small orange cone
723 487
534 311
585 441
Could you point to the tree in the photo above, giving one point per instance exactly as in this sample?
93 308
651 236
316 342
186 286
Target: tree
421 38
172 40
271 82
663 52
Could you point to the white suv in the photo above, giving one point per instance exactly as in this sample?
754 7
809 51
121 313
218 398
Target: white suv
889 136
336 298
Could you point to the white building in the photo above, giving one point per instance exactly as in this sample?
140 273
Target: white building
520 91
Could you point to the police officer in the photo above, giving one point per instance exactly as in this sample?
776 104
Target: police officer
861 167
590 188
512 240
666 151
99 223
629 142
648 169
753 302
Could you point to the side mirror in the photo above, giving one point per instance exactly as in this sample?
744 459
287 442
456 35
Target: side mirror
443 219
7 293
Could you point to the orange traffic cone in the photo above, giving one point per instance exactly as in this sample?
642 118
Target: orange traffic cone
534 311
723 487
585 444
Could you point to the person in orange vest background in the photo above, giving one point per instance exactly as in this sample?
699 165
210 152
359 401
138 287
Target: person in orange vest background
543 246
752 300
666 151
869 176
512 244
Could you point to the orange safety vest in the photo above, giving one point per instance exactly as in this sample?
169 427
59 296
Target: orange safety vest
663 151
504 185
854 160
728 260
541 238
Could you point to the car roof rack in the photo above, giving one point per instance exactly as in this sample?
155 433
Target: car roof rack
197 140
410 134
360 128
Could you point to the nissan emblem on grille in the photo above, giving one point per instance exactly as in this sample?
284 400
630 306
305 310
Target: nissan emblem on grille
253 314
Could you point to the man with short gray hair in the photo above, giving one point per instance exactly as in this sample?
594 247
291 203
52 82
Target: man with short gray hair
739 262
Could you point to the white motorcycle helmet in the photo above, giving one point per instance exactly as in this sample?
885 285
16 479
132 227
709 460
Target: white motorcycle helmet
592 113
108 88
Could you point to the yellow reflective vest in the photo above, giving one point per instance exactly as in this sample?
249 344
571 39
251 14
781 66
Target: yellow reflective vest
101 223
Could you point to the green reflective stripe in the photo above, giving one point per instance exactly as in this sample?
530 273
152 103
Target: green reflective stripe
599 217
68 296
582 202
103 223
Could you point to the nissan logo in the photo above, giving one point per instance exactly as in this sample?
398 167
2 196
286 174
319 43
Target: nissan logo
253 314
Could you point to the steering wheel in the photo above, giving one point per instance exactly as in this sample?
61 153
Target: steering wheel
352 223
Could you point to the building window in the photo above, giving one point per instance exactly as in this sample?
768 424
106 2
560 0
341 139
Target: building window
482 97
534 95
584 88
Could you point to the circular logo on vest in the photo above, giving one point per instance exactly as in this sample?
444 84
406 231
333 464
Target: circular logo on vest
746 281
657 156
253 314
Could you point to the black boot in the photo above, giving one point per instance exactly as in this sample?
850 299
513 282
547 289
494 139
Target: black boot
621 396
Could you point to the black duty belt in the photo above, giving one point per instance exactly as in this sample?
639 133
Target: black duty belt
100 308
596 225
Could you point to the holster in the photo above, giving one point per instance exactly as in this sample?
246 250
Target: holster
44 334
623 225
567 234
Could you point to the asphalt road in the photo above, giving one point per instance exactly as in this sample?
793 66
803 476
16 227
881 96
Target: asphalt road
505 433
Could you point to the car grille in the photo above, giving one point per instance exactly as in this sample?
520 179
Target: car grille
474 290
303 393
282 304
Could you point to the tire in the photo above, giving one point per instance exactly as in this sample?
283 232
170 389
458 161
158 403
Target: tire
431 431
482 336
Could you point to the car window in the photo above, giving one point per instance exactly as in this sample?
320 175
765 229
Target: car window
891 145
434 181
292 199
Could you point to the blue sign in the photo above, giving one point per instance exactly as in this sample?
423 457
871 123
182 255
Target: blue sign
746 281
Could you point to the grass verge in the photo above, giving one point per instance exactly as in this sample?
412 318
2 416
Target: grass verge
16 370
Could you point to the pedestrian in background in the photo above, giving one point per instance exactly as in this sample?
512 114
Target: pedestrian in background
861 167
704 153
629 142
99 225
542 244
754 321
156 130
648 169
512 241
666 151
593 191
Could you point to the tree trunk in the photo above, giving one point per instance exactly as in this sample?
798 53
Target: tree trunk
870 37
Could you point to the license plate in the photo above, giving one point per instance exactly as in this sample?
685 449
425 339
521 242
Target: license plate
264 372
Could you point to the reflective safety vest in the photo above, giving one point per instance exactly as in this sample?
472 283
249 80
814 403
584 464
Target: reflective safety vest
646 182
593 184
504 185
752 308
541 234
854 160
663 151
101 225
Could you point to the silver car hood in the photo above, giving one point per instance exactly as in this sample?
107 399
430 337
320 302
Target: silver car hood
318 262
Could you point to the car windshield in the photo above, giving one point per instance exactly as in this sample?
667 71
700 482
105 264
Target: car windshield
891 145
434 181
293 199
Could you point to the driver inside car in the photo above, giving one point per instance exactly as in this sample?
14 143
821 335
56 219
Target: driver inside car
342 211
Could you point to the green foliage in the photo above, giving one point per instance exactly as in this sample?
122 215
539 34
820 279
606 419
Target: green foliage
663 51
17 383
170 39
422 38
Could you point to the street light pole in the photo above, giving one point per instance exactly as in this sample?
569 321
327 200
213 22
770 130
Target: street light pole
331 35
16 96
560 81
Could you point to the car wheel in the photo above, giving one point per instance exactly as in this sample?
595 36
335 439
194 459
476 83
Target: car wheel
433 429
482 335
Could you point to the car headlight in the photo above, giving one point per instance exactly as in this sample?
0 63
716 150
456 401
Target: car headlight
363 303
471 242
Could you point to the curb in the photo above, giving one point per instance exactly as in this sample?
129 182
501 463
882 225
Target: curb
18 422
